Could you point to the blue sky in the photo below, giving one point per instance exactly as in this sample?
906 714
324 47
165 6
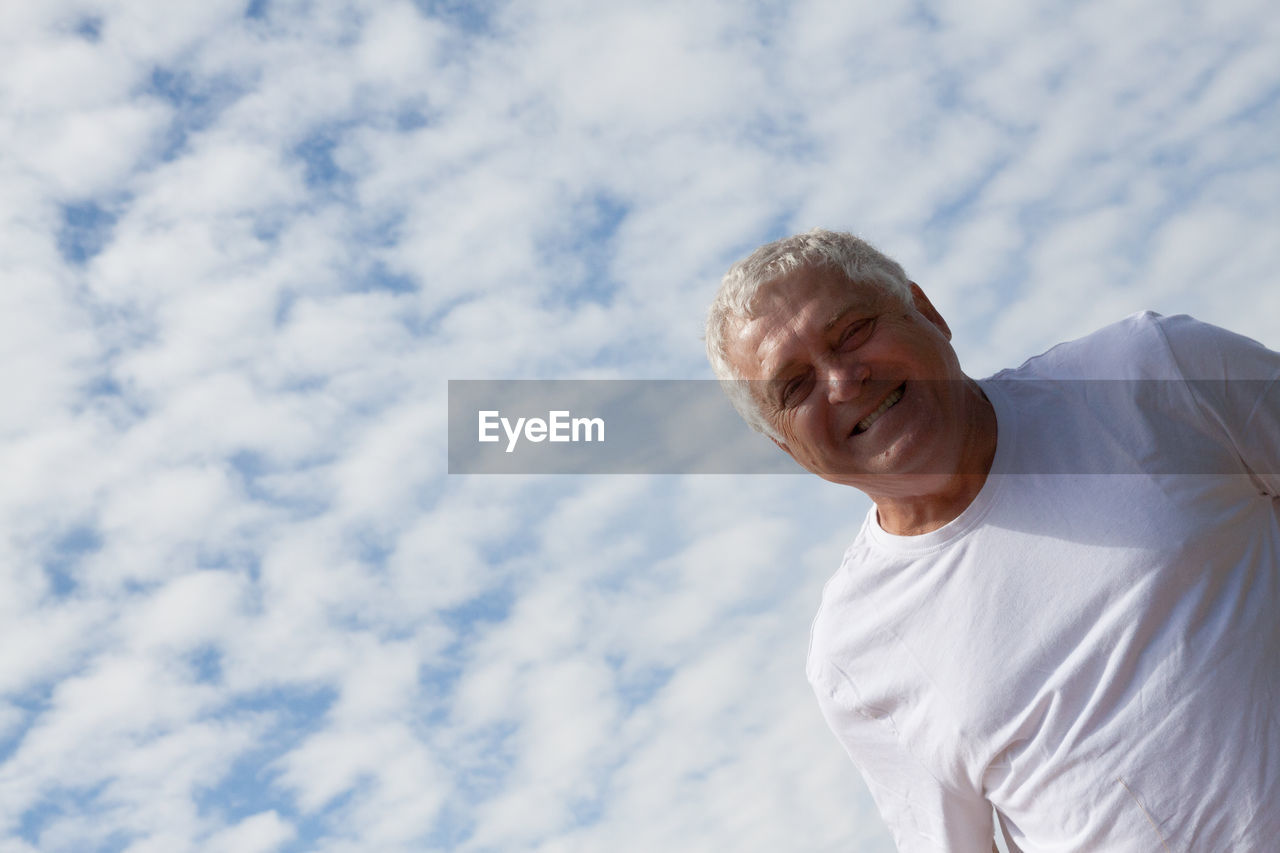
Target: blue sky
243 606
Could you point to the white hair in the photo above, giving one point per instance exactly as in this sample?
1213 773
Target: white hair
736 300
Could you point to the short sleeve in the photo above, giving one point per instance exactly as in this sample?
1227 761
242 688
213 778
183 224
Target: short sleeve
1236 382
923 814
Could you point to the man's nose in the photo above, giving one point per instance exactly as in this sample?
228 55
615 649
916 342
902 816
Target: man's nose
844 381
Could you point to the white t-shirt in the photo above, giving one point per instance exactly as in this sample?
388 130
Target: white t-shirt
1093 645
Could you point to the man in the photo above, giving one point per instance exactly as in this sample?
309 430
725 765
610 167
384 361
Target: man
1065 602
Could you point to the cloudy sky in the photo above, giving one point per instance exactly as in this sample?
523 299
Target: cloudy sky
243 604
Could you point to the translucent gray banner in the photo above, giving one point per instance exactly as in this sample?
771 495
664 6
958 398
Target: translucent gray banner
689 427
603 427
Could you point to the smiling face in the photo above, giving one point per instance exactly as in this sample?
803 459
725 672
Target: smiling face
863 388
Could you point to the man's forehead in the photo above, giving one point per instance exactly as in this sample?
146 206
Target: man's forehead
788 290
748 339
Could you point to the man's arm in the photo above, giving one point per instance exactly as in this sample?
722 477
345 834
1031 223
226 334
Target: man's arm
923 814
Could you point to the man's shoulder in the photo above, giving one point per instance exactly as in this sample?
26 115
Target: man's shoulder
1148 345
1127 349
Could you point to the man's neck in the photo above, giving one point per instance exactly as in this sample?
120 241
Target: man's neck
914 516
936 500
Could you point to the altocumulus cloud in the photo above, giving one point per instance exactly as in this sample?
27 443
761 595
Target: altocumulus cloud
245 244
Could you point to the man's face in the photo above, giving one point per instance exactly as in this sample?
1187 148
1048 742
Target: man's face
864 389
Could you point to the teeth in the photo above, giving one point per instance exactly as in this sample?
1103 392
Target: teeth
866 422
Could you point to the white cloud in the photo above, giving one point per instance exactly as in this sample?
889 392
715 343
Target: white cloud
260 833
244 607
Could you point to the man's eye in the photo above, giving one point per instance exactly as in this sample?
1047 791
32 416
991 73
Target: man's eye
793 391
857 333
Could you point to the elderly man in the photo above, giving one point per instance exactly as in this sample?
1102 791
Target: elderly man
1065 602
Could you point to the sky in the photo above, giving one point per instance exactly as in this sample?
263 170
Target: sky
245 246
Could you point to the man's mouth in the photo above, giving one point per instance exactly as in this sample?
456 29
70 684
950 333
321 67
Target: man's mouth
888 403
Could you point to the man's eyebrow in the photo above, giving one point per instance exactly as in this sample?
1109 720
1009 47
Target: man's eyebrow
772 380
841 313
858 304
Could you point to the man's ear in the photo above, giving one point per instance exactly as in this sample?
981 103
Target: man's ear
925 307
